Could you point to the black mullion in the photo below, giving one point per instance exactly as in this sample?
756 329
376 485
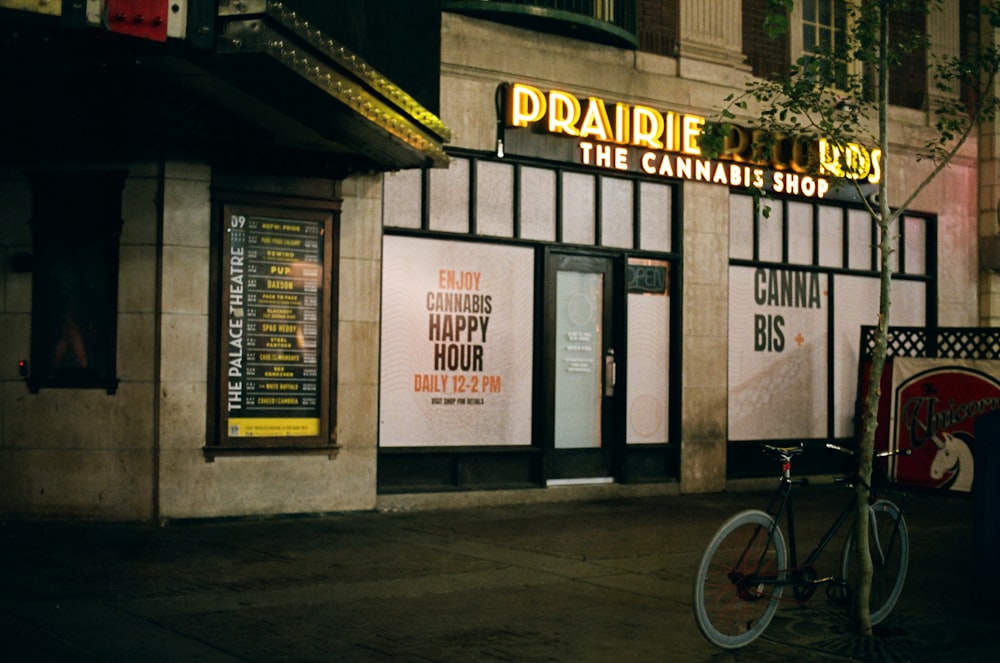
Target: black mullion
756 229
559 172
598 218
815 235
473 178
517 200
901 266
876 239
845 240
784 232
831 356
636 213
425 199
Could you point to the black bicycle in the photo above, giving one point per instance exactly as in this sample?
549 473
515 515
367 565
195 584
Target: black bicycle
748 564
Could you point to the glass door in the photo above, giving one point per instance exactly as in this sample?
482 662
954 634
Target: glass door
582 369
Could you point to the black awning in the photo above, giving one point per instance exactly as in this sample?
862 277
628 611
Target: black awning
272 90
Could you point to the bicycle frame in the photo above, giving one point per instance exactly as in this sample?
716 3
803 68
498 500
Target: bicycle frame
782 501
752 558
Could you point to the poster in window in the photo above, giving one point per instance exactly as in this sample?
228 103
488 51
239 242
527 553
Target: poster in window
457 331
272 349
777 353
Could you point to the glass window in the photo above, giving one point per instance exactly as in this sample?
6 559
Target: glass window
859 226
655 208
915 245
831 236
647 410
494 199
449 197
538 204
770 230
76 227
741 227
795 327
578 211
401 199
616 212
824 24
777 353
800 233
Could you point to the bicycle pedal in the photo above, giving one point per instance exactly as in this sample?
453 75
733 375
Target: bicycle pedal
838 591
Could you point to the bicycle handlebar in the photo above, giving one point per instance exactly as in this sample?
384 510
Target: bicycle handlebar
788 452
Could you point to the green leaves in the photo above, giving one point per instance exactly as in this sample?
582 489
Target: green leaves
776 21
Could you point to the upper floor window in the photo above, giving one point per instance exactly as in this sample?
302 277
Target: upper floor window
825 27
823 32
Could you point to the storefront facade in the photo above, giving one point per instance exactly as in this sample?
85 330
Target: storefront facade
464 297
576 185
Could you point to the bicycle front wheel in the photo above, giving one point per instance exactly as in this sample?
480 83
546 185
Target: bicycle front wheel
740 580
889 543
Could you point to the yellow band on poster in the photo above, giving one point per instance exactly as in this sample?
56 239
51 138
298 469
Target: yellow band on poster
284 427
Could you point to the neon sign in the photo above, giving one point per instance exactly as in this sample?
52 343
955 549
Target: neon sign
639 138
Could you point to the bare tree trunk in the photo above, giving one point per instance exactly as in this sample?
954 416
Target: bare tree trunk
866 450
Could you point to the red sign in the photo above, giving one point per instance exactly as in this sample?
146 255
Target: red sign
935 404
140 18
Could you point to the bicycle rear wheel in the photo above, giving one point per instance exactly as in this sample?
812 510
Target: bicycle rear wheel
739 580
889 543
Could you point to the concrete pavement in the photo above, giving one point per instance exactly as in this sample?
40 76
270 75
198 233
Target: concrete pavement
566 581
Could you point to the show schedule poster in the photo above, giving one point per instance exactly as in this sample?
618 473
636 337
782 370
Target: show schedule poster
457 330
273 274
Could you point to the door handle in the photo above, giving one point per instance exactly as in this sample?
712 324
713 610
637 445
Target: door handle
610 372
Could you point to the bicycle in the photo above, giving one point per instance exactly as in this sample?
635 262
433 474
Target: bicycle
748 564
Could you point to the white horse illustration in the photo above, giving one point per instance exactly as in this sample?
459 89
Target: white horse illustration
955 457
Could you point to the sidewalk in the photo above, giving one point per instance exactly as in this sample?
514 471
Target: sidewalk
593 581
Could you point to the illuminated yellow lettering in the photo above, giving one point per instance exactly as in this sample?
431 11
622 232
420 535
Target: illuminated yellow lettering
661 134
621 123
859 161
564 113
595 121
829 159
526 105
647 127
876 173
800 156
692 125
672 133
737 144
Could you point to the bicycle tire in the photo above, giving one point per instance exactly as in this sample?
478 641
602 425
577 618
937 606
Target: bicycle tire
888 575
730 608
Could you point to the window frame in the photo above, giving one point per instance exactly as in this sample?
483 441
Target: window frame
74 311
797 47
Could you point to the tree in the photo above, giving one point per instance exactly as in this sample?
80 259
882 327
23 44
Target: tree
839 92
